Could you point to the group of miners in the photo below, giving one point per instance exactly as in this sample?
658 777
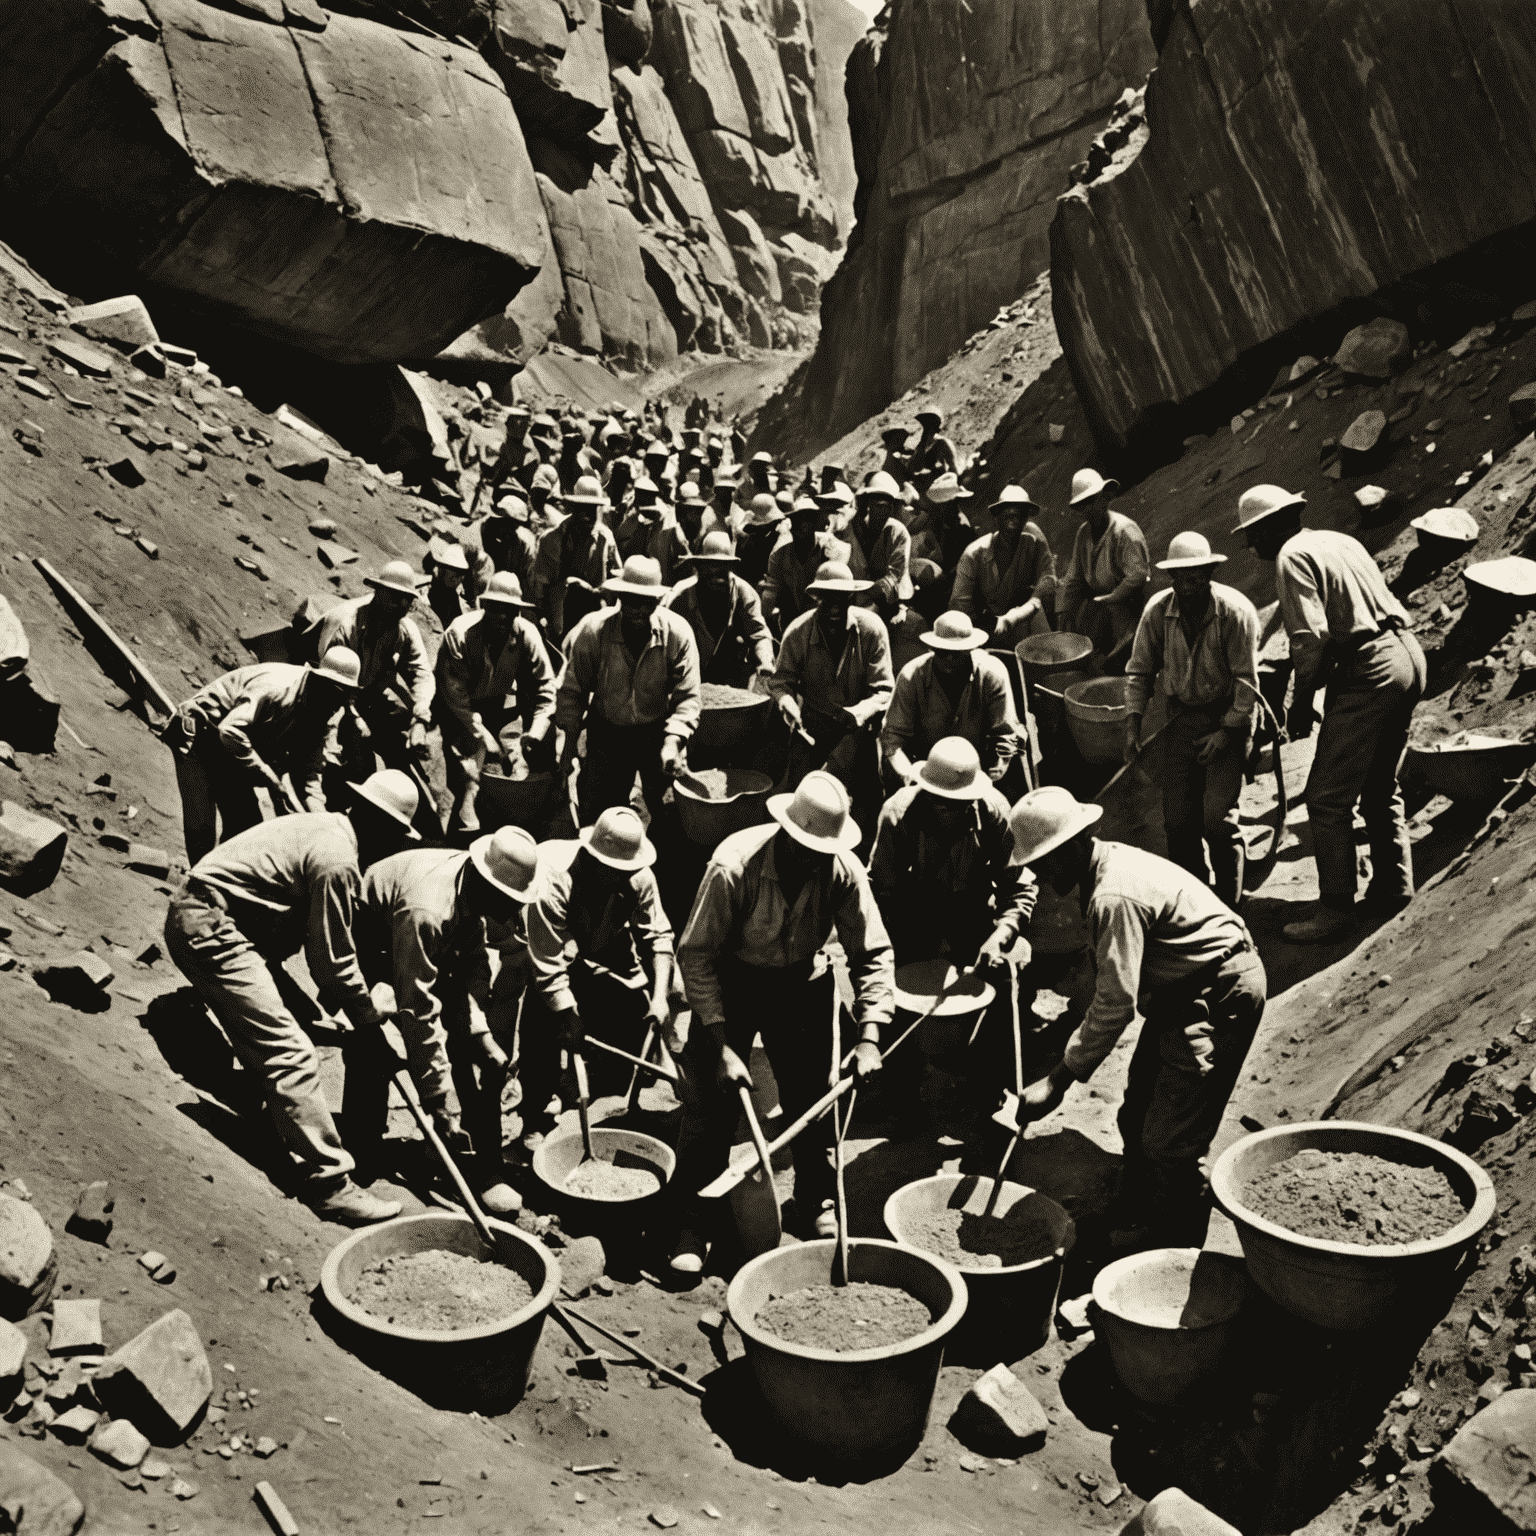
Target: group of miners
583 649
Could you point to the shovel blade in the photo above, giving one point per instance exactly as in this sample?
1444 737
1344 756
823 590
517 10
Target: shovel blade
755 1207
1008 1115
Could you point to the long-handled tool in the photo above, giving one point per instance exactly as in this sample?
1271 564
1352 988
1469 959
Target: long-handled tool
840 1274
675 1377
755 1201
643 1060
583 1101
1008 1115
1125 768
656 1069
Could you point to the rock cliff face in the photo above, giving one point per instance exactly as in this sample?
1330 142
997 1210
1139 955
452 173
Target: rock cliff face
965 123
1295 158
464 178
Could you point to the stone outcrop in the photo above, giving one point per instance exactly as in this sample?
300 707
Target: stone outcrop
966 121
354 191
1294 160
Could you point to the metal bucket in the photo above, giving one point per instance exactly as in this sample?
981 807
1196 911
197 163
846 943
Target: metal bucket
1166 1316
855 1405
1040 656
1473 767
1096 716
705 820
722 732
484 1368
1011 1306
508 802
955 1021
557 1157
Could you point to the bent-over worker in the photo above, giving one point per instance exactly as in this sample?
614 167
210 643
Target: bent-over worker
1349 632
1166 944
1202 639
246 907
246 730
752 963
1105 586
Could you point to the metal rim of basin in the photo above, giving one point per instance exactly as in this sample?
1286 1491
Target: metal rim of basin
762 788
1106 1279
1053 652
330 1285
1225 1185
663 1165
934 1333
1080 700
891 1215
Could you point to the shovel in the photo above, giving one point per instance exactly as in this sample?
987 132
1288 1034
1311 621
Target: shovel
656 1069
840 1268
755 1201
1008 1115
583 1099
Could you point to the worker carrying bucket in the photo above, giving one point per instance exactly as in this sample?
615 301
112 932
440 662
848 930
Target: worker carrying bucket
1163 943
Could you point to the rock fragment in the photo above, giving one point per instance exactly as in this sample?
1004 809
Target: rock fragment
581 1262
1377 349
1174 1513
126 472
122 322
79 980
1522 405
75 1425
76 1327
300 464
31 848
85 360
999 1411
28 1264
13 1350
1481 1478
117 1441
159 1377
33 1500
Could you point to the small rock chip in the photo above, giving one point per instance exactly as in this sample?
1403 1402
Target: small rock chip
999 1410
665 1516
118 1441
154 1468
971 1464
712 1512
151 1260
265 1446
180 1488
126 472
74 1425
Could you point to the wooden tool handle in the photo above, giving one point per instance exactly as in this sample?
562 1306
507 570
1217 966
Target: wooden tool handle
424 1120
658 1069
583 1096
764 1156
676 1377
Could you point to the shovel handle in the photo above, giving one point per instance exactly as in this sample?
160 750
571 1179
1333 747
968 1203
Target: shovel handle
657 1068
583 1097
675 1377
764 1156
402 1080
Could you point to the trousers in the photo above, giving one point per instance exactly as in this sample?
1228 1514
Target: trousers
1193 1042
1370 702
791 1009
1200 799
214 788
615 754
235 979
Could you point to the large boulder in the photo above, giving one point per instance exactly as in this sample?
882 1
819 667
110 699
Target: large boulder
33 1502
1281 177
552 56
965 121
1483 1479
357 192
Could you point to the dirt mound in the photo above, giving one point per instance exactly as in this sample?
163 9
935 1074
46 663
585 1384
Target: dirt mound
1351 1197
599 1180
983 1242
845 1317
440 1290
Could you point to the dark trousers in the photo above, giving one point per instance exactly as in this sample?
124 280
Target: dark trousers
793 1014
615 754
214 788
1185 1066
1200 799
609 1011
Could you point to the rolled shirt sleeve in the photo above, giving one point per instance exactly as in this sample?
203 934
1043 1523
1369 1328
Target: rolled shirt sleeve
649 922
1135 566
578 674
551 948
875 644
1302 609
683 688
235 736
1146 658
788 680
1242 651
1119 930
964 595
329 946
705 936
755 627
901 716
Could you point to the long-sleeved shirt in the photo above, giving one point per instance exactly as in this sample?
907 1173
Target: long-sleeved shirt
578 915
261 721
410 913
662 682
468 673
922 713
886 560
860 680
984 588
562 555
971 863
662 540
294 881
1331 589
790 573
1116 566
499 544
1221 666
743 641
392 653
740 912
1150 923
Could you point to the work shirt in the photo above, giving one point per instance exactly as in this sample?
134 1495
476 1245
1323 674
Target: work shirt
1116 566
1331 589
933 456
922 713
1150 923
740 913
971 863
944 542
261 721
661 539
1222 667
410 917
294 881
886 560
469 675
743 643
661 683
575 918
985 588
790 573
560 556
392 653
860 680
499 544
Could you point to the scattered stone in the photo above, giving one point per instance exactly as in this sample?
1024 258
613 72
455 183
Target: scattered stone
323 528
1406 1400
35 387
1000 1412
1303 368
149 860
1370 496
149 548
31 847
33 1500
154 1468
180 1488
72 1385
1522 405
580 1264
161 1371
1174 1513
117 1441
1057 431
28 1263
1364 432
76 1327
1075 1312
1474 341
126 472
266 1446
301 464
971 1464
665 1516
150 359
40 1416
712 1512
74 1426
84 359
711 1322
1482 1476
13 1350
334 556
1377 349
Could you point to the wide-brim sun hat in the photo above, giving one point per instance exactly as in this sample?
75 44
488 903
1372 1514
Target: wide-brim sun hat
1187 552
395 576
501 856
448 553
588 492
818 814
952 770
1045 819
1261 501
1448 523
835 577
948 488
1013 498
953 631
880 484
340 665
504 590
765 510
391 791
613 841
640 577
715 550
1087 483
